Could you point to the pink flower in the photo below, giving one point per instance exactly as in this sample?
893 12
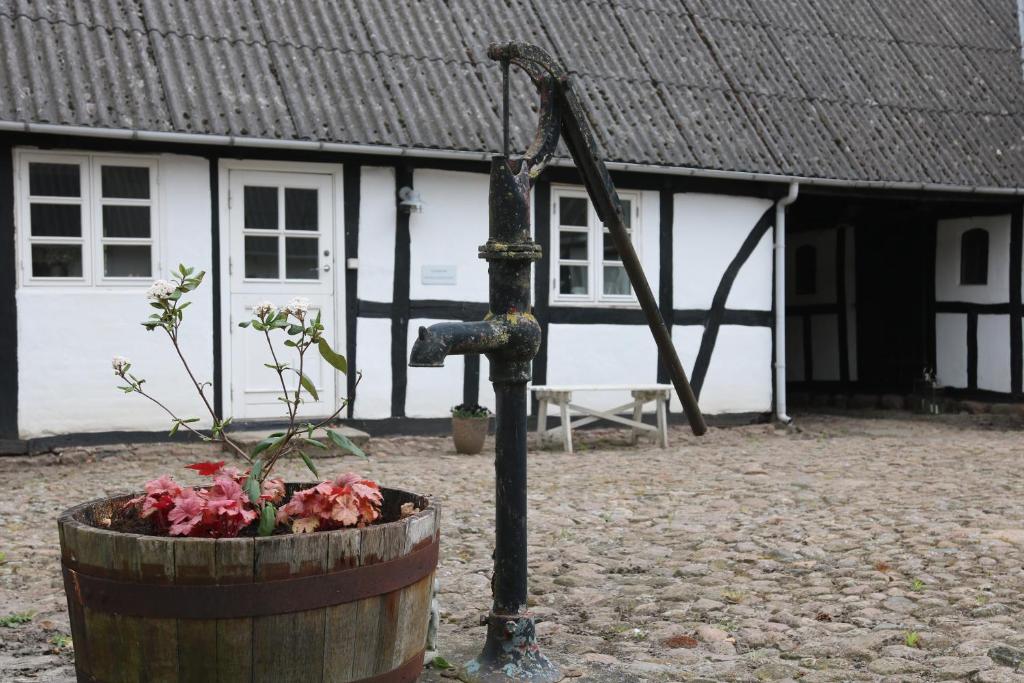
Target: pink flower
187 512
346 502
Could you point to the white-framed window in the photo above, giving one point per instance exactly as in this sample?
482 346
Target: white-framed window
587 268
87 219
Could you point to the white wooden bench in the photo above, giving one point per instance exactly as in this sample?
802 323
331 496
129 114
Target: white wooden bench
561 395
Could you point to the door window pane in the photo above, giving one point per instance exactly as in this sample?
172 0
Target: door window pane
300 209
300 258
572 245
56 220
572 211
125 182
56 260
572 279
54 180
126 221
616 282
127 260
261 257
260 208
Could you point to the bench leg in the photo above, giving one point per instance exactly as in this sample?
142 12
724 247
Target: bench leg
566 426
542 422
638 415
663 422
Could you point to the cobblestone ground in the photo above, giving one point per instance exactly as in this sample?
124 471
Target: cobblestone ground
854 549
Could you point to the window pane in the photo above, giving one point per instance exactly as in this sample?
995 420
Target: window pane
124 260
261 257
610 252
572 210
126 221
300 259
627 213
56 220
56 260
260 208
615 280
572 245
572 280
125 182
300 209
54 180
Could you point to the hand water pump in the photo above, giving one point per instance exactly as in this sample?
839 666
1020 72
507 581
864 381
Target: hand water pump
510 337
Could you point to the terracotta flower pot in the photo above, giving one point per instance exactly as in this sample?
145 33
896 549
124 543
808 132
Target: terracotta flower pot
343 605
469 434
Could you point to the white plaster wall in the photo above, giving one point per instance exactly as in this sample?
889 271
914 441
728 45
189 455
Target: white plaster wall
795 371
448 232
649 238
752 288
824 242
67 335
431 392
947 260
825 347
377 210
601 354
708 231
373 358
739 375
994 352
951 349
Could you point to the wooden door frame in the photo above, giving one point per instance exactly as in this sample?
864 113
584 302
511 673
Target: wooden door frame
336 231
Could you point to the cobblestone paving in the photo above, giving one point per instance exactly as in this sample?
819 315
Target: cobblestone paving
883 549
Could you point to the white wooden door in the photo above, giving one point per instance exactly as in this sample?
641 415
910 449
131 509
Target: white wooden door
281 247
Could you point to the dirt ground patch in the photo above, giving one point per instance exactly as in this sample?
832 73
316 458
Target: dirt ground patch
855 549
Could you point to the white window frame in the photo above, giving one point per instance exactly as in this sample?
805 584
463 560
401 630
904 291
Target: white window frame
91 201
595 263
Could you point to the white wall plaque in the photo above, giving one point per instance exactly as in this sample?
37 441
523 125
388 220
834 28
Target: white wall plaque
437 275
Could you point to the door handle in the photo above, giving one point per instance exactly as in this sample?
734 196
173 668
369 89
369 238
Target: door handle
327 268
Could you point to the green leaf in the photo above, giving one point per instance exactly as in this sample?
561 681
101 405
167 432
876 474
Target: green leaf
251 485
309 464
268 519
269 442
294 330
307 384
174 428
289 342
335 359
345 443
314 442
441 663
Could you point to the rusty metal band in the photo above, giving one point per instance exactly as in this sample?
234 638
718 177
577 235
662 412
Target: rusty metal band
408 672
238 600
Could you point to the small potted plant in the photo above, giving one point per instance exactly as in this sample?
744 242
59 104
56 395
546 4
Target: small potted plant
469 427
208 582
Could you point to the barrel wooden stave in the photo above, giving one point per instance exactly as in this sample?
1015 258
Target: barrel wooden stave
344 643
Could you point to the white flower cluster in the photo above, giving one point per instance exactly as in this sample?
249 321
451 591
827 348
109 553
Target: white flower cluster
297 307
120 365
161 289
263 309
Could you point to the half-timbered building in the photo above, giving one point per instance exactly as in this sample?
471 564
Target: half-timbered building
825 195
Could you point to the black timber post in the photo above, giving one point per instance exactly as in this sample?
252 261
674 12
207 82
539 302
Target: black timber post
400 297
843 326
352 195
215 283
8 307
666 201
1016 263
542 280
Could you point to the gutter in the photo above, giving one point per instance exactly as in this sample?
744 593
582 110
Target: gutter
456 155
780 302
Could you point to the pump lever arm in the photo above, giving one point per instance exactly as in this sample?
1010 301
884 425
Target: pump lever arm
568 114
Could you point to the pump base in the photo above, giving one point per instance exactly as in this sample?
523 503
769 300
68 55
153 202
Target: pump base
510 653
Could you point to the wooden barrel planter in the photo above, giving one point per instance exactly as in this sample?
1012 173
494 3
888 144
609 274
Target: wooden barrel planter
345 605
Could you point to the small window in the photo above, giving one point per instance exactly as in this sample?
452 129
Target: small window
87 219
282 233
974 257
589 268
805 271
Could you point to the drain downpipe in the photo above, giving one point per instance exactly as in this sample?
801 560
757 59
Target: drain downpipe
780 302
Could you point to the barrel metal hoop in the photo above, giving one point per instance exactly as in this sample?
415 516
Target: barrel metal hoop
239 600
408 672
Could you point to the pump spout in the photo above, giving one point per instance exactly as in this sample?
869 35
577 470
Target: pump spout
438 341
